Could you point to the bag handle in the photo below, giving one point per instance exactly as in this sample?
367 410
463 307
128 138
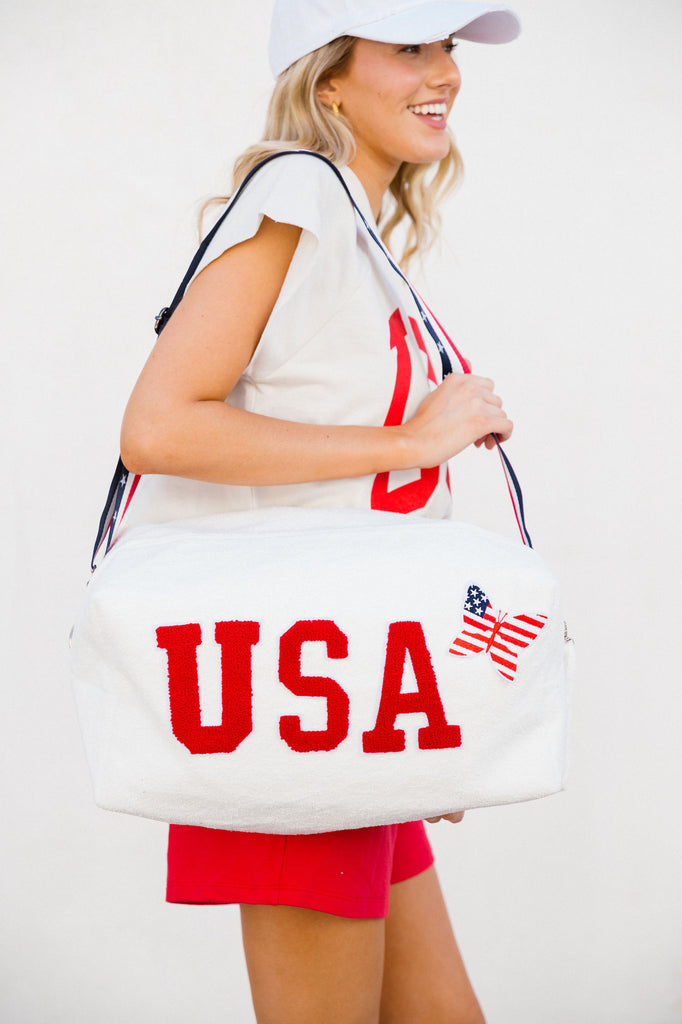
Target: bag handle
124 484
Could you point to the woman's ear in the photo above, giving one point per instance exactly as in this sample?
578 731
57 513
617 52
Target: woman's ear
328 93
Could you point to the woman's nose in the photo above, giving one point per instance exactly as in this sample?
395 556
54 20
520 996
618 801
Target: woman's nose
443 71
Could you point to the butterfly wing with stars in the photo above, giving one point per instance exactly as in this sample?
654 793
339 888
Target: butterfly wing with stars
501 636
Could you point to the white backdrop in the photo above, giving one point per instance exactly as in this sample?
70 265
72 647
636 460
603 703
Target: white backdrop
560 275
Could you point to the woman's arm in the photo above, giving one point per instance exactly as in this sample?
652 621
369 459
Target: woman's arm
177 421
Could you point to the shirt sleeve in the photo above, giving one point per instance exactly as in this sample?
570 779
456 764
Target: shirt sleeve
303 191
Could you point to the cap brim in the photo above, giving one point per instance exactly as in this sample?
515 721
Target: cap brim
429 22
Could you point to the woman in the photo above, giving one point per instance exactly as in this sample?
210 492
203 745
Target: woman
275 383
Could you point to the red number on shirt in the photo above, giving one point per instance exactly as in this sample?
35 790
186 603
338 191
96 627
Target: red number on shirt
414 495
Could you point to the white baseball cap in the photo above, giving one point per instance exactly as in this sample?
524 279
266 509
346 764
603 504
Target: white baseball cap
301 26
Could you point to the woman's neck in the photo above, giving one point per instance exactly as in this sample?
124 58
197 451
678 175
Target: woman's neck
374 178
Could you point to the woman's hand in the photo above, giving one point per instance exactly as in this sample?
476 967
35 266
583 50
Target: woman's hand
455 817
463 410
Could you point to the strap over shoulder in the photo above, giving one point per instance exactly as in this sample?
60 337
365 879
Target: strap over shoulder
164 315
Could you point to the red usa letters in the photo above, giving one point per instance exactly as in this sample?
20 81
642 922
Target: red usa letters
237 639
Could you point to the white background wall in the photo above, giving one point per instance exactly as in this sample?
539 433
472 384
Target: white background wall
560 276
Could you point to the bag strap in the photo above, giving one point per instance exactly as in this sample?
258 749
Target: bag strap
124 484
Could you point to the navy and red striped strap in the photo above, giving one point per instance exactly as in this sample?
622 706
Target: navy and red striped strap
124 483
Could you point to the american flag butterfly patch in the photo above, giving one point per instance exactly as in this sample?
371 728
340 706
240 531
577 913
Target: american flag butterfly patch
498 634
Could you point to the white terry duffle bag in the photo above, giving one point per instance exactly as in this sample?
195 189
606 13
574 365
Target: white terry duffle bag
306 670
301 670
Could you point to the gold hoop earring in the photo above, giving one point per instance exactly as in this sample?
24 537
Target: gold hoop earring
335 109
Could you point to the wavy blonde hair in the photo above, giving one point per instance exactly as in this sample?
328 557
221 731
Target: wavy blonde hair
297 119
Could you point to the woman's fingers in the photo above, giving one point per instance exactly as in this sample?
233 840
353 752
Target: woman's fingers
499 422
463 410
455 817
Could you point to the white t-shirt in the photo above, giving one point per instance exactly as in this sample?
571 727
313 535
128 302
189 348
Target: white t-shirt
343 345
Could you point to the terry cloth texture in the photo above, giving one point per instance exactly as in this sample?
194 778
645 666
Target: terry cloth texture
344 873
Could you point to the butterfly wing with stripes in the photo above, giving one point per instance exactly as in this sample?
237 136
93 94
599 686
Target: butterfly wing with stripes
501 636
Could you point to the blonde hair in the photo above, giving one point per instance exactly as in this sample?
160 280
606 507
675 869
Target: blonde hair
297 119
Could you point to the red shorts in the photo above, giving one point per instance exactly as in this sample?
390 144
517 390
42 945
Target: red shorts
346 873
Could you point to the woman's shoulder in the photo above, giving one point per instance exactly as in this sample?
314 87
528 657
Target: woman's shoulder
301 187
295 188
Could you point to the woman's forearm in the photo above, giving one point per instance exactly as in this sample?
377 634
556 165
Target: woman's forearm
216 442
213 441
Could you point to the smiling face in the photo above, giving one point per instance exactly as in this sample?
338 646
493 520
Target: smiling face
396 100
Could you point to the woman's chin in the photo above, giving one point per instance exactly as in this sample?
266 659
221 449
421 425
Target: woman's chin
429 154
427 150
